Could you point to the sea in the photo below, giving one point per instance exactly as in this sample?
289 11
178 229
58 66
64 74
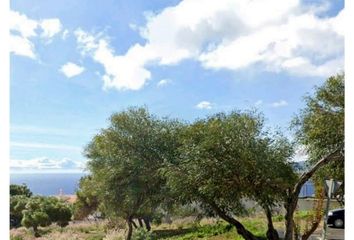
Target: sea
48 184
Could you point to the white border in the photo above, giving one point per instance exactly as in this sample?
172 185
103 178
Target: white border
4 124
349 118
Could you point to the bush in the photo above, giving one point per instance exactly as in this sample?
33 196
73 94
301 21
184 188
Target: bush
42 211
22 190
278 218
142 234
16 238
17 205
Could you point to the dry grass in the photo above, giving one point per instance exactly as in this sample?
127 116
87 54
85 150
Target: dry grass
179 229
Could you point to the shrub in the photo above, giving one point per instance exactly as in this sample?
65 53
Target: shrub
142 234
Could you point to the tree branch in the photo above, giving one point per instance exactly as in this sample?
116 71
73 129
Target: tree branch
307 175
239 227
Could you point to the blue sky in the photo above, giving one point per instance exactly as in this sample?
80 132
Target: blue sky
74 63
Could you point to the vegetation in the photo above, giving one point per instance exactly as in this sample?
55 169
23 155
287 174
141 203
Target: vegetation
144 169
87 199
17 205
21 190
225 159
35 211
183 230
320 128
42 211
125 159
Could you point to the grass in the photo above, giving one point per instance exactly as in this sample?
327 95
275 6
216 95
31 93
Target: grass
76 231
213 230
193 232
180 229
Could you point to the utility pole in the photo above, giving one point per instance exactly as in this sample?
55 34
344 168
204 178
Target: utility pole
331 187
329 184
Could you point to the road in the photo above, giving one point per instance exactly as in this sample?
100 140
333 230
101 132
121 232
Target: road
332 234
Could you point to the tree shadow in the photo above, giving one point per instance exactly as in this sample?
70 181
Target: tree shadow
167 233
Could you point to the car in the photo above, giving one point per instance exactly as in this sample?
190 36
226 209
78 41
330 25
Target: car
336 218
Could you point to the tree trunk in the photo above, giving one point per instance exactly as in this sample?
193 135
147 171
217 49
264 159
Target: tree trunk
272 233
140 222
147 223
134 224
320 194
290 208
241 230
35 230
130 229
313 228
293 195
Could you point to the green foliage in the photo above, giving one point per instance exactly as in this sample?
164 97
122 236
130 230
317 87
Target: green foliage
58 211
16 238
17 205
87 198
20 190
34 216
228 157
42 211
220 229
320 125
125 159
278 218
142 234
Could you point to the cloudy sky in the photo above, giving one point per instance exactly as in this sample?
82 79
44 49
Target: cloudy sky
73 63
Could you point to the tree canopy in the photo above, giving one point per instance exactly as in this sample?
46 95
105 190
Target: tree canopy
125 158
227 158
87 199
20 190
320 125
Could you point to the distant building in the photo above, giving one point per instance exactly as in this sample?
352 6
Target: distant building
307 190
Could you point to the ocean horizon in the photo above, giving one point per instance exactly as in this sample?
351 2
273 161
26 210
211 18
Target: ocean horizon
48 184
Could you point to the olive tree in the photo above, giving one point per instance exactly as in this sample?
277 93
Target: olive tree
227 158
43 211
17 205
87 199
320 129
20 190
34 215
19 195
124 161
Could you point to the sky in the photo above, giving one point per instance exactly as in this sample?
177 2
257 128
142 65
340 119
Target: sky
74 63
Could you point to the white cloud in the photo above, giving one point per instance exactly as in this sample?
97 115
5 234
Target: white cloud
134 27
23 30
65 34
71 69
300 154
22 24
45 146
44 163
22 46
301 45
258 103
121 72
281 103
50 27
204 105
164 82
227 34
